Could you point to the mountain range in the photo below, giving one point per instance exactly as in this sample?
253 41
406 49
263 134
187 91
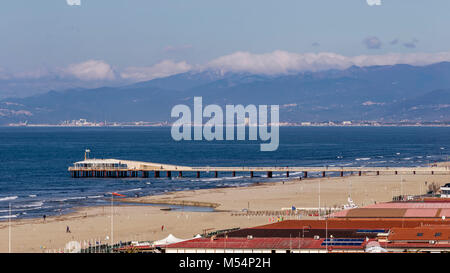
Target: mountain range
376 93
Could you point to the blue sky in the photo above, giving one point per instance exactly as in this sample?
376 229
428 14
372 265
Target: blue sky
147 38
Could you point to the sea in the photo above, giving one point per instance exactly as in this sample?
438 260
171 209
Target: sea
34 161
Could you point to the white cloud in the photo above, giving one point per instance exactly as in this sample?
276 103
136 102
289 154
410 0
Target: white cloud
277 62
159 70
283 62
374 2
73 2
273 63
91 70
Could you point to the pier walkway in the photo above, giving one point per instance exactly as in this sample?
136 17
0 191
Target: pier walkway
125 168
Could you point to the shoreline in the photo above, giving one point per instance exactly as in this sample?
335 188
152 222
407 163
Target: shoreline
139 223
142 200
165 198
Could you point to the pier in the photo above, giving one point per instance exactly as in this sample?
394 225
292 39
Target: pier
116 168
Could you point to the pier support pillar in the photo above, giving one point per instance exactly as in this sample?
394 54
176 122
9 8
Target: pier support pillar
269 174
305 174
216 174
156 174
251 174
198 174
169 174
287 174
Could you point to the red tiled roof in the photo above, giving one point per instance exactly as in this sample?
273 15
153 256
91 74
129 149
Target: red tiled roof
414 245
426 233
432 208
421 213
376 212
436 199
257 243
411 205
340 223
444 212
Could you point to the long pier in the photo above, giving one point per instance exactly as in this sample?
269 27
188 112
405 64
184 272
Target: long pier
125 168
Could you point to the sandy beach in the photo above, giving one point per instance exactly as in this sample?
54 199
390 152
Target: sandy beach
144 222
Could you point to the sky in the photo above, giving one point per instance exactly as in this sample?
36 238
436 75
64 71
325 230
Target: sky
110 40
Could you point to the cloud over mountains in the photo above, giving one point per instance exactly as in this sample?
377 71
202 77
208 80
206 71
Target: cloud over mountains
277 62
162 69
91 70
283 62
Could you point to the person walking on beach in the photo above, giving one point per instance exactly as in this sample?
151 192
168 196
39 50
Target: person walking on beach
67 229
44 216
162 228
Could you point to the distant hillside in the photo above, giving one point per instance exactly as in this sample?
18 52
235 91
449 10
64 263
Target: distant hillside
383 93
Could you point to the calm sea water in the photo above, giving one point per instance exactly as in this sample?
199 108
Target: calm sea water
34 161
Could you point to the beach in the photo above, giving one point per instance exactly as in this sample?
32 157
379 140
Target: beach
144 222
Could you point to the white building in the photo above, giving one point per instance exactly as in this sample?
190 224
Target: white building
445 191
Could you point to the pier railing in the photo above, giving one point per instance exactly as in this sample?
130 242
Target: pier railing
135 169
